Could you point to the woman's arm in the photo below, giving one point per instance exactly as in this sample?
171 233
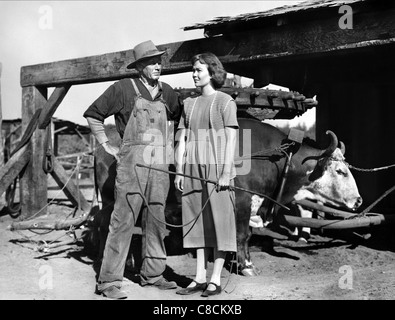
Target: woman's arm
179 158
230 148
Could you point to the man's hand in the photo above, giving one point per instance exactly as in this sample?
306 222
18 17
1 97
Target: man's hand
111 150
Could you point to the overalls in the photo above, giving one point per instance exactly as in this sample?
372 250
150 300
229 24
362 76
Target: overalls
144 142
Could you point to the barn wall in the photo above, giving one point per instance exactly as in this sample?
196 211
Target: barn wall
356 102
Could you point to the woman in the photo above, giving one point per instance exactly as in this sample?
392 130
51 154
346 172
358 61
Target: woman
206 148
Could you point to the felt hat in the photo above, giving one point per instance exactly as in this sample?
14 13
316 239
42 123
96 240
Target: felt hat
144 50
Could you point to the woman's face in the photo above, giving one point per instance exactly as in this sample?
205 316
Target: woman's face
200 74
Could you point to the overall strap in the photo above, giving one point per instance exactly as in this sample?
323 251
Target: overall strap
135 88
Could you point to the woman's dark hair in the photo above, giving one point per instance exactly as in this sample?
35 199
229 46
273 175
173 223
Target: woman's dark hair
214 66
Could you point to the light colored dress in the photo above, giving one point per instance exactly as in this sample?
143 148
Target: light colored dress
216 225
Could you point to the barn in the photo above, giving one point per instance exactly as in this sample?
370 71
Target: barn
341 51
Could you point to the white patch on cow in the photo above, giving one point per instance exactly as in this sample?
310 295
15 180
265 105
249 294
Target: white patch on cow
248 263
305 214
256 202
304 194
256 220
300 195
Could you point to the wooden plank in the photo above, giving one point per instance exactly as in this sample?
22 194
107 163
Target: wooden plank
13 167
2 143
47 224
51 224
1 126
263 103
51 105
359 222
70 189
333 212
234 50
33 183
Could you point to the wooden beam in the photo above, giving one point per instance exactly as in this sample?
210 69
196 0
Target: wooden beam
2 143
290 40
51 105
33 183
70 190
1 126
13 167
263 103
49 224
87 144
370 219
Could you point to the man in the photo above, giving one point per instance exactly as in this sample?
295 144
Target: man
142 108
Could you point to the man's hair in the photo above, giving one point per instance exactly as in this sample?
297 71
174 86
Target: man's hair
214 66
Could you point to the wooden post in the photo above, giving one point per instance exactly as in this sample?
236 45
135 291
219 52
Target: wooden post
1 127
33 184
53 137
92 140
2 198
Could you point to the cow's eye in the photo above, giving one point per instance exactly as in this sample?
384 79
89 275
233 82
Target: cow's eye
341 172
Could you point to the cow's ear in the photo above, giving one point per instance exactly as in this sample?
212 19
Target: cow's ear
342 148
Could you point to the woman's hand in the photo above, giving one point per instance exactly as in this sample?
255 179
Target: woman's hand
223 182
179 182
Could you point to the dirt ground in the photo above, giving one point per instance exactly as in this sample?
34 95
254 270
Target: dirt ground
335 266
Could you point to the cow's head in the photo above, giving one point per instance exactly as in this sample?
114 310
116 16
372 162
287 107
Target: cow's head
331 181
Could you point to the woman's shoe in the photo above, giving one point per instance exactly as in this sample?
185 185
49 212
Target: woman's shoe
207 292
191 290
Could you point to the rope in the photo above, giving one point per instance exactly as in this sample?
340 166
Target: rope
193 220
377 201
47 164
58 193
13 211
214 182
369 170
156 218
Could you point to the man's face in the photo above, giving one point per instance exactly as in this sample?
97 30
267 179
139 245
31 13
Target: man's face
151 68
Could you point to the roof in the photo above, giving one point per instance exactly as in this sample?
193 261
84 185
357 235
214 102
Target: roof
303 7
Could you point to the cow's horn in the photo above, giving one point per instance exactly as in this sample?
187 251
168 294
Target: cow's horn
342 148
332 146
328 151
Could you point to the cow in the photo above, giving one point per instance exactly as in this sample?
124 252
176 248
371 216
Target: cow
314 174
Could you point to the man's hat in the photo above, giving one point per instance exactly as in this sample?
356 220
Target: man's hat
144 50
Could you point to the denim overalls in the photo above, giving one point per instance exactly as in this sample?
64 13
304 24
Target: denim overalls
144 142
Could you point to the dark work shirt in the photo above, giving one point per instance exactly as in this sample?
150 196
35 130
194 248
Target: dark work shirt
118 100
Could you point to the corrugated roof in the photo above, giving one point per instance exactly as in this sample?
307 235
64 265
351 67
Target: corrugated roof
300 7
